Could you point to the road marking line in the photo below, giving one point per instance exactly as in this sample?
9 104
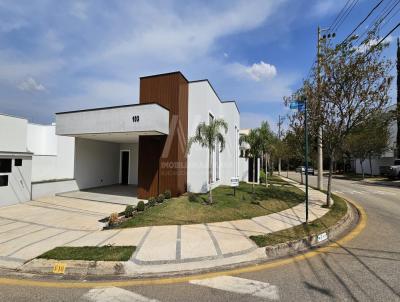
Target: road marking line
173 280
241 286
107 294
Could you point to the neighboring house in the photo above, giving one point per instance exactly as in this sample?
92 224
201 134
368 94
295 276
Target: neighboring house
144 145
31 155
386 159
246 162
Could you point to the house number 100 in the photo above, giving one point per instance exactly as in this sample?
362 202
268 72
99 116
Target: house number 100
135 118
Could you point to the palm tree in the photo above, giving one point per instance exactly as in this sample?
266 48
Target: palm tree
266 137
254 140
210 136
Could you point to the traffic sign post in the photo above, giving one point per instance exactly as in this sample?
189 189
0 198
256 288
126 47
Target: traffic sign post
302 107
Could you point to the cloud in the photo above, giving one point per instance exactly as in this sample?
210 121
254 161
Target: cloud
323 8
16 68
30 85
256 72
79 10
262 70
364 47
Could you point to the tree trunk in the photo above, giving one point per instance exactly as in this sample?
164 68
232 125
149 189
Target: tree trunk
301 177
254 173
266 171
370 164
210 175
279 166
362 168
287 168
329 189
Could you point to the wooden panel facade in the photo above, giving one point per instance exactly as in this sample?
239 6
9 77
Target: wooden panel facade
169 170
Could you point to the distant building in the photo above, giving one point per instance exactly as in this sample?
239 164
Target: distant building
386 159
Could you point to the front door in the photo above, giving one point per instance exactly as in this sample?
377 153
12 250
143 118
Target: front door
124 167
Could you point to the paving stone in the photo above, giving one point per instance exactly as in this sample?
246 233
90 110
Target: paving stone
196 242
229 239
127 237
159 245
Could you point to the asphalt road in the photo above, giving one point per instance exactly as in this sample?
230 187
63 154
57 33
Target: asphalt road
366 268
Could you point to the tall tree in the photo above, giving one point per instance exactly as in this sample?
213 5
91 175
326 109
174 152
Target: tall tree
354 85
255 142
210 136
398 98
266 137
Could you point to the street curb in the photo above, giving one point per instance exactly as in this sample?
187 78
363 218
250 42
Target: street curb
311 242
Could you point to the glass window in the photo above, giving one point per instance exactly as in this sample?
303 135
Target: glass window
3 180
211 119
18 162
5 165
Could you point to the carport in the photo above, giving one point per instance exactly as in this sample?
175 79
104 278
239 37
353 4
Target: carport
107 148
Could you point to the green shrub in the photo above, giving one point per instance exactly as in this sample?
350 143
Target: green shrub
152 202
192 197
128 211
256 202
113 219
140 206
167 194
160 198
263 178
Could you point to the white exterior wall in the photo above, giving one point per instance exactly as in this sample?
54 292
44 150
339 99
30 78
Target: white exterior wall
376 163
96 163
12 134
202 102
53 157
243 169
133 162
19 182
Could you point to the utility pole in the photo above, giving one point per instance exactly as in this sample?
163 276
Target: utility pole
398 99
319 139
320 183
306 154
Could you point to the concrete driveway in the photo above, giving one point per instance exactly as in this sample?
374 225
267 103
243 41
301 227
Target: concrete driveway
32 228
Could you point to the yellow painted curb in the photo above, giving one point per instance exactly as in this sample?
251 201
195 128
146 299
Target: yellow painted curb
171 280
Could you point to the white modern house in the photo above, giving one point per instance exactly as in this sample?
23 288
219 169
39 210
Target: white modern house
140 146
33 160
385 159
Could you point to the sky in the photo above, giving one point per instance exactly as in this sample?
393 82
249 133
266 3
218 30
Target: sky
67 55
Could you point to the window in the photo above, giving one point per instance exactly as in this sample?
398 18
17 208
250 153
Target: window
18 162
217 151
3 180
211 119
5 165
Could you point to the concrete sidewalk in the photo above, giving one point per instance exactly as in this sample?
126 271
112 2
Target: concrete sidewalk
166 248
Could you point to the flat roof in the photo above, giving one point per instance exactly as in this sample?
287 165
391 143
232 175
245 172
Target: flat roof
112 107
165 74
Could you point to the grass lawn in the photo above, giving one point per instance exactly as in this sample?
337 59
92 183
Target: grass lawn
91 253
318 226
225 207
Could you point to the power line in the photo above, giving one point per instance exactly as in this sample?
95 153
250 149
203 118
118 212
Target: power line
347 13
380 18
369 14
383 39
339 14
